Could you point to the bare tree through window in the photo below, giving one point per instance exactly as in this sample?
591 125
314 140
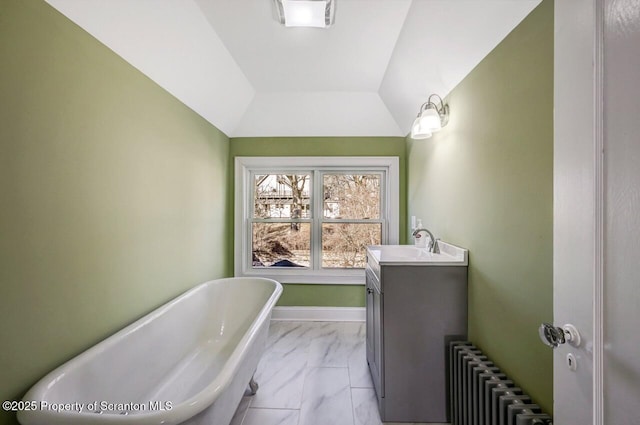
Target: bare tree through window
283 198
350 220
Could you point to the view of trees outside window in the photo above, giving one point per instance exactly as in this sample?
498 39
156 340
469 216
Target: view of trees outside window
282 219
356 198
285 199
282 196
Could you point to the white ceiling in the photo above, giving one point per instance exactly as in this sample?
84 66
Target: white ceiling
234 64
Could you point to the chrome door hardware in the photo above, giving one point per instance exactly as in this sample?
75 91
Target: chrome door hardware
553 336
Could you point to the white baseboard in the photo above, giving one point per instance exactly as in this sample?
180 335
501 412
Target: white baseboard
319 314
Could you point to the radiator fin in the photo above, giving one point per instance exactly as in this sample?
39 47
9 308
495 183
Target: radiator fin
481 394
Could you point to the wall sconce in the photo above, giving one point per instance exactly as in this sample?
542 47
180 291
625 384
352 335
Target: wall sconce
431 118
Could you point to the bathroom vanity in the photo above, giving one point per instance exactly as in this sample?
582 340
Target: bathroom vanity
416 303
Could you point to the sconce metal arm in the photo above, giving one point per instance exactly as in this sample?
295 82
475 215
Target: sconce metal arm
443 109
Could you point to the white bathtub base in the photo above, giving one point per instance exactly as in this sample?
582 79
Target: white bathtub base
222 410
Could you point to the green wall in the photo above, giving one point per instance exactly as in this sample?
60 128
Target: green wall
313 294
113 194
485 182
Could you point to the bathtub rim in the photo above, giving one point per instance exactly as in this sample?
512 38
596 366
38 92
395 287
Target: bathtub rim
180 412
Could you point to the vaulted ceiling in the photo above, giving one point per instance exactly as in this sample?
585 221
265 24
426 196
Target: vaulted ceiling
235 65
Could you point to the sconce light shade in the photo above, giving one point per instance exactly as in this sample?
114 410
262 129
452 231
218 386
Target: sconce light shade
305 13
418 131
431 118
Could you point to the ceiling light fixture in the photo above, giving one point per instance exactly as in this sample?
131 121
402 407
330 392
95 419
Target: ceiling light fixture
431 118
305 13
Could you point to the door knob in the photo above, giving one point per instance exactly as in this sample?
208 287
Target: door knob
553 336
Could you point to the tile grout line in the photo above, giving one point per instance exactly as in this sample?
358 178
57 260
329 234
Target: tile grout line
353 413
273 408
304 385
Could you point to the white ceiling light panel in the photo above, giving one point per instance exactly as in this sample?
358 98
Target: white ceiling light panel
305 13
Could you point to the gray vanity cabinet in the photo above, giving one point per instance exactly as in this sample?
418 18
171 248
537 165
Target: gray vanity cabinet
374 328
412 311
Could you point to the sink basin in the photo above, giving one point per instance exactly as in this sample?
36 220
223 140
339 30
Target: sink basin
409 254
403 251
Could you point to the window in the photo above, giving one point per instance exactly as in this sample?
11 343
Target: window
309 219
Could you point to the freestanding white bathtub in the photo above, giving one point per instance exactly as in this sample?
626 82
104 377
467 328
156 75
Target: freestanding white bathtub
187 362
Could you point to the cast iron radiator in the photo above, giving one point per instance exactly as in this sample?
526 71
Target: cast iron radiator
481 395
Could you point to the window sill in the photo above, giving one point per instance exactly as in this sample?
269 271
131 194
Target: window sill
311 279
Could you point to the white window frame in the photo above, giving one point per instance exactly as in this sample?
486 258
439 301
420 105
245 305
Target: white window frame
245 166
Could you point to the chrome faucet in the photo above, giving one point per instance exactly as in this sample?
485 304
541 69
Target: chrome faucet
431 245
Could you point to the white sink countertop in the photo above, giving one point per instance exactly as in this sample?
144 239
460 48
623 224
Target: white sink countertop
448 255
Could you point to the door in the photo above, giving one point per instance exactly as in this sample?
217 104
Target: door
596 210
378 376
574 240
621 312
370 334
374 330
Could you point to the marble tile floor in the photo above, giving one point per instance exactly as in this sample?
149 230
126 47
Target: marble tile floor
312 373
